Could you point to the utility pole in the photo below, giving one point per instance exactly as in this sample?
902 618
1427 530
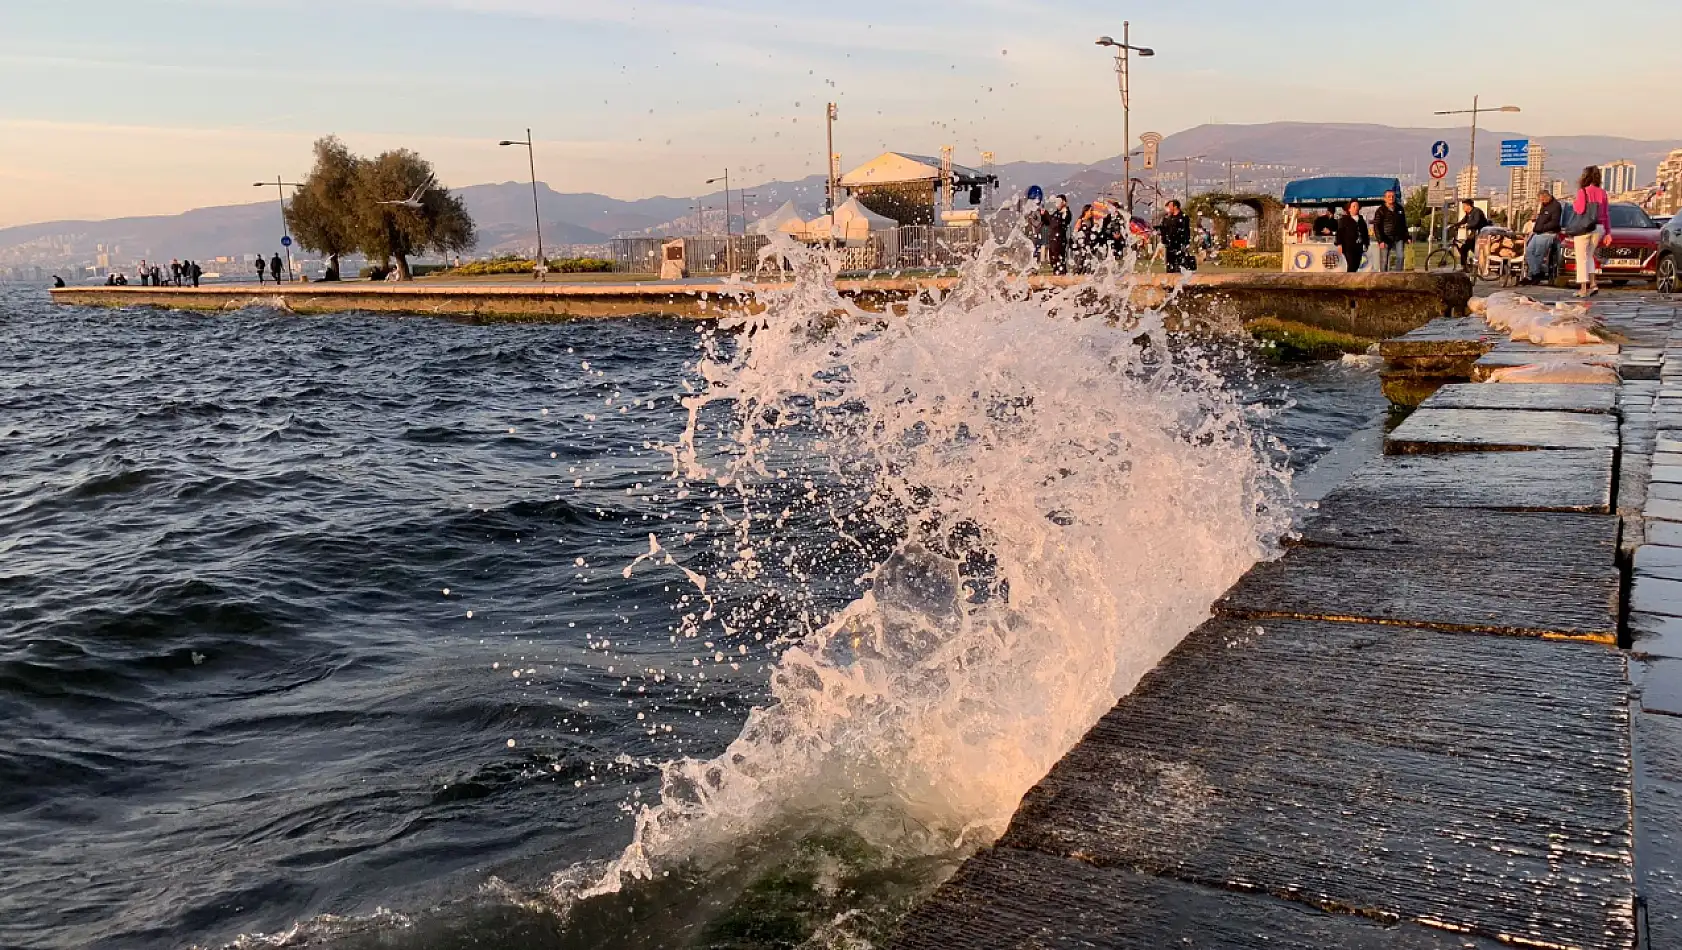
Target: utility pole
1121 50
285 233
830 115
1231 184
541 267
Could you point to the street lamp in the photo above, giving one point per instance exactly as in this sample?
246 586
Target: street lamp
1121 51
541 268
1472 158
280 187
729 249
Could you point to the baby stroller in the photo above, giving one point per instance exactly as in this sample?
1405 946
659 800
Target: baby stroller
1500 256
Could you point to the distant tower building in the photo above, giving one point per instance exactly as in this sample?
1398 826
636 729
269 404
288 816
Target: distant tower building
1466 183
1562 189
1526 183
1670 180
1618 177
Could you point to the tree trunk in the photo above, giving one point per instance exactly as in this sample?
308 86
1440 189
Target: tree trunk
403 268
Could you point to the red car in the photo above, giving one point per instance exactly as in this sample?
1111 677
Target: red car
1633 253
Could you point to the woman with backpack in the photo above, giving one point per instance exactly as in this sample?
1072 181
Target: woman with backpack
1591 226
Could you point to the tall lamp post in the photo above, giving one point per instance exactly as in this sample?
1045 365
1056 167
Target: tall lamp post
830 115
541 267
280 187
1472 156
729 250
1121 51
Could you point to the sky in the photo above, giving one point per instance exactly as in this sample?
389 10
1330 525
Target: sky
123 107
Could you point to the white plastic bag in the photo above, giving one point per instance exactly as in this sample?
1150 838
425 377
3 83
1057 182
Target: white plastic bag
1555 371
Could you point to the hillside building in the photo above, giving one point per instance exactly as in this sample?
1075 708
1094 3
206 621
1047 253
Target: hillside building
1618 177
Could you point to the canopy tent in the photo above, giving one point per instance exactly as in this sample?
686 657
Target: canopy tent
851 223
903 187
784 220
1339 190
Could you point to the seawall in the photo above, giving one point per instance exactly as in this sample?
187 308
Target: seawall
1367 305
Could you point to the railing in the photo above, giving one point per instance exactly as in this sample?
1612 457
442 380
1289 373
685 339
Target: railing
912 247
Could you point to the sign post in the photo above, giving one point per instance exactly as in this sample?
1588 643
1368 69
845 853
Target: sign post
1515 153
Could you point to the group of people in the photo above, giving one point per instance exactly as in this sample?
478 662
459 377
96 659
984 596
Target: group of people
273 266
180 274
1590 226
1354 237
1104 230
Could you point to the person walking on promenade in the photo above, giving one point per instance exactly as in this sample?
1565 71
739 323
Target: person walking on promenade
274 266
197 271
175 271
261 264
1472 222
1591 226
140 273
1353 238
1057 219
1544 238
1390 230
1176 240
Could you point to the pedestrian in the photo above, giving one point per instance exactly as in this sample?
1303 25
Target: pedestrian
1590 227
197 272
1353 238
1472 222
274 266
1176 240
1056 220
157 275
175 271
261 264
140 273
1544 240
1390 230
58 281
1326 224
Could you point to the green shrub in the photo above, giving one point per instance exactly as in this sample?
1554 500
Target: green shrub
1253 260
523 265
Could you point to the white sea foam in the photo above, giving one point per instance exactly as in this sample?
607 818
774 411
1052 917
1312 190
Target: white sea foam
1067 490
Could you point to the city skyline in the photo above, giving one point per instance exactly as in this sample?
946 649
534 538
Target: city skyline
160 106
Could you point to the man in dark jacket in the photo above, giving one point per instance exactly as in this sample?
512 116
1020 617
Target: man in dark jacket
197 272
1326 224
274 267
1544 237
1472 221
1353 238
1176 240
1057 219
1390 230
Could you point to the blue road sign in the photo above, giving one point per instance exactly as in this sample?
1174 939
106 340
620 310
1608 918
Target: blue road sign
286 240
1515 153
1440 149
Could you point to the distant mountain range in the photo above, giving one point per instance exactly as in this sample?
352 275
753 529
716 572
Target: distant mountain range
504 211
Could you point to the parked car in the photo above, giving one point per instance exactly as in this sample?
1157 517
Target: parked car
1633 253
1667 270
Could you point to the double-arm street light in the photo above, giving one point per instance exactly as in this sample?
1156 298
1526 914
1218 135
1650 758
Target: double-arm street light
531 160
1121 50
729 250
1472 158
281 186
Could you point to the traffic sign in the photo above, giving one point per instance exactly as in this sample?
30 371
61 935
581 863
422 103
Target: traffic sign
1515 153
286 240
1439 194
1439 150
1439 169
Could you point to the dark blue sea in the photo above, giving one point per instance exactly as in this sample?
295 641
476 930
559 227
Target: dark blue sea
317 631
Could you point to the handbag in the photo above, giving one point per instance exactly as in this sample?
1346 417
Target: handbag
1584 223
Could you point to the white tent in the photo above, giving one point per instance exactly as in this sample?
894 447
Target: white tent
893 168
784 220
851 224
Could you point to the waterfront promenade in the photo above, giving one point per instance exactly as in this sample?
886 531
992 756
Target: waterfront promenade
1449 716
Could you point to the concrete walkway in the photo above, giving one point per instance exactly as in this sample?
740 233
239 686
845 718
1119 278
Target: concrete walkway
1428 725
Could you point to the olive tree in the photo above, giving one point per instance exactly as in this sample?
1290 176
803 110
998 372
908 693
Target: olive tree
322 215
401 211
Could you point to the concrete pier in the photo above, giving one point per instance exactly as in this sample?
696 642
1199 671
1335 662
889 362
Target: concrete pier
1449 716
1367 305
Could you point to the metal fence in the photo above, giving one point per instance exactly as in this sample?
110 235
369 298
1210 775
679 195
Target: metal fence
912 247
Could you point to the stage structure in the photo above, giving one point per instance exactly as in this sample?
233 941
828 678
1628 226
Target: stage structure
918 189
